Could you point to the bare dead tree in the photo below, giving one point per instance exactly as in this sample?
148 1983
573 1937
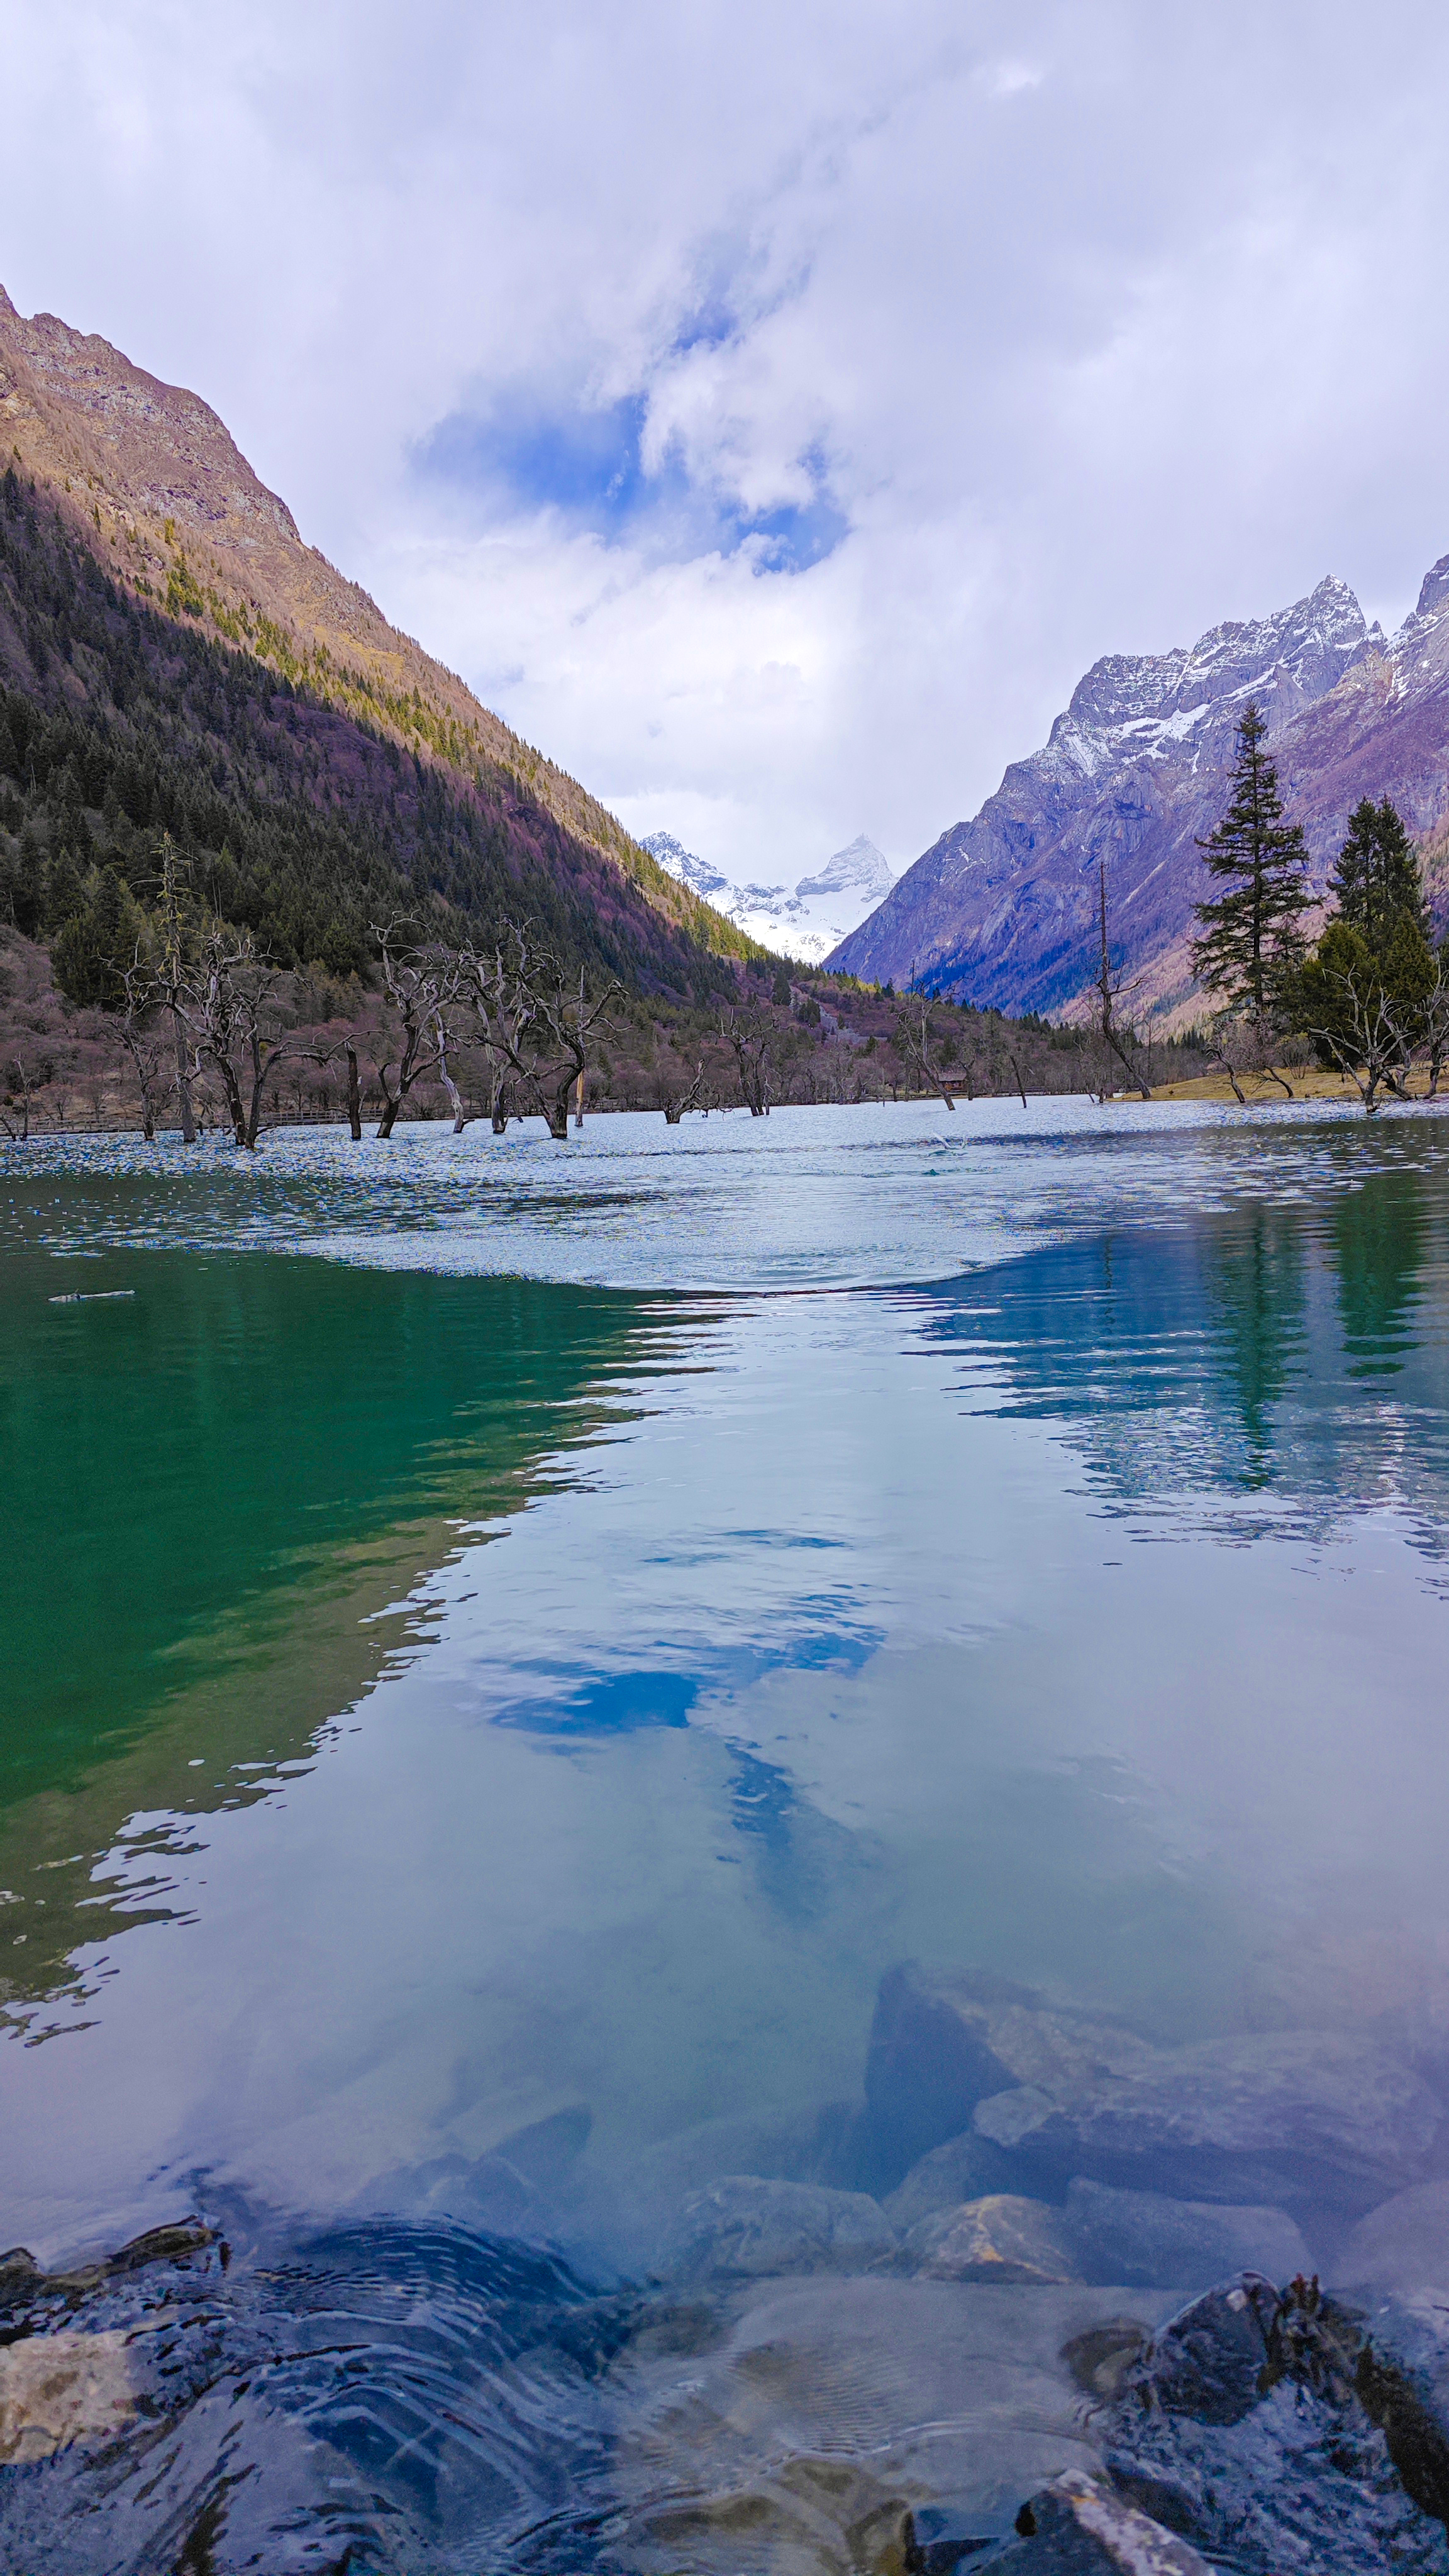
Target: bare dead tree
445 1076
1369 1043
227 1000
171 978
539 1029
1116 1041
675 1103
496 989
1434 1022
1244 1042
917 1043
420 984
22 1077
565 1023
347 1049
354 1092
1218 1038
751 1041
144 994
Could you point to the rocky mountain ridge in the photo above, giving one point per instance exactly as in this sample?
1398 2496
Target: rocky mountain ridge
805 921
1002 909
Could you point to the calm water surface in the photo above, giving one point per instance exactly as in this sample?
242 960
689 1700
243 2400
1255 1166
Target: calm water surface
506 1645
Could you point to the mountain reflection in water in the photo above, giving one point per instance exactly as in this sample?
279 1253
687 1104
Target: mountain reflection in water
1291 1353
477 1748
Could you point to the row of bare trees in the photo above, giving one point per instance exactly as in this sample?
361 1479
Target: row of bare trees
204 1015
203 1010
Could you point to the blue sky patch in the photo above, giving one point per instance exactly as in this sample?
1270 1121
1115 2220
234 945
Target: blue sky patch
586 463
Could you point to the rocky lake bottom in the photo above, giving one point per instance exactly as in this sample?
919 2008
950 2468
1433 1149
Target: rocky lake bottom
722 1850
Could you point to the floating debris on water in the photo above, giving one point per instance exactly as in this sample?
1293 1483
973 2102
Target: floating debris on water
90 1296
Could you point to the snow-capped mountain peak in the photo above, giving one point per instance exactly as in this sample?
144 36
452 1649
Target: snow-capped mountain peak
804 921
861 870
696 873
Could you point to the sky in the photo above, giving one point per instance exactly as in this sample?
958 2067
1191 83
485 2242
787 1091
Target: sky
773 409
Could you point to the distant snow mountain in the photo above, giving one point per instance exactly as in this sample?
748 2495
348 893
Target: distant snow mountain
681 863
804 921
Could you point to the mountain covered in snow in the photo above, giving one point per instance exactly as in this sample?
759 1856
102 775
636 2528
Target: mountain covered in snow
804 921
1002 910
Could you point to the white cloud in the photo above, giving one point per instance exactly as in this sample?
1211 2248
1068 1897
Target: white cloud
1051 329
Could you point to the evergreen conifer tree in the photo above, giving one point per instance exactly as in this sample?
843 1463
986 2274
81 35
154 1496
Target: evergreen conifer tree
1376 878
1251 941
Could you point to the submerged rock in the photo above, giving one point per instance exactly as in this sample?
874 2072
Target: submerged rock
521 2186
936 2539
965 2168
1402 2245
1302 2118
1000 2238
1143 2238
1276 2119
953 2394
939 2044
1080 2526
752 2227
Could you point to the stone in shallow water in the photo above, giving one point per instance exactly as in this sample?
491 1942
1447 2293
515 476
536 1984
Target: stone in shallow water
939 2044
1212 2360
1272 2432
1305 2118
1078 2526
746 2225
1142 2238
634 2213
1000 2238
965 2168
945 2390
1402 2245
1277 2118
939 2538
62 2388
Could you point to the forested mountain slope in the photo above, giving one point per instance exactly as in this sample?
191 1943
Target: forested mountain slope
173 657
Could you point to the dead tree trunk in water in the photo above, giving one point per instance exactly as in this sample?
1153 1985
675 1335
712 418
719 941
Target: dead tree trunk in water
142 998
172 977
460 1115
538 1032
674 1106
23 1078
419 984
753 1049
915 1045
1109 994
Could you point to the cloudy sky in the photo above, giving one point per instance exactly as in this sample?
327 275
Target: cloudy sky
772 409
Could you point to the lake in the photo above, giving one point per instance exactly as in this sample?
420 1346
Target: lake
507 1646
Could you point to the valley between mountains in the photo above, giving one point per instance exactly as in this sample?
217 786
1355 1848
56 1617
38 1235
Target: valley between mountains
213 675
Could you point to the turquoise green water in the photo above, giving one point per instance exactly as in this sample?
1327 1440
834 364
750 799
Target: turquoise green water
440 1701
211 1450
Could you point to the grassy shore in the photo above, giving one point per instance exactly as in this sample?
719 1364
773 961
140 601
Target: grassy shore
1309 1082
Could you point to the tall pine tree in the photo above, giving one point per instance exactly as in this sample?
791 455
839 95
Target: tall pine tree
1376 879
1251 940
